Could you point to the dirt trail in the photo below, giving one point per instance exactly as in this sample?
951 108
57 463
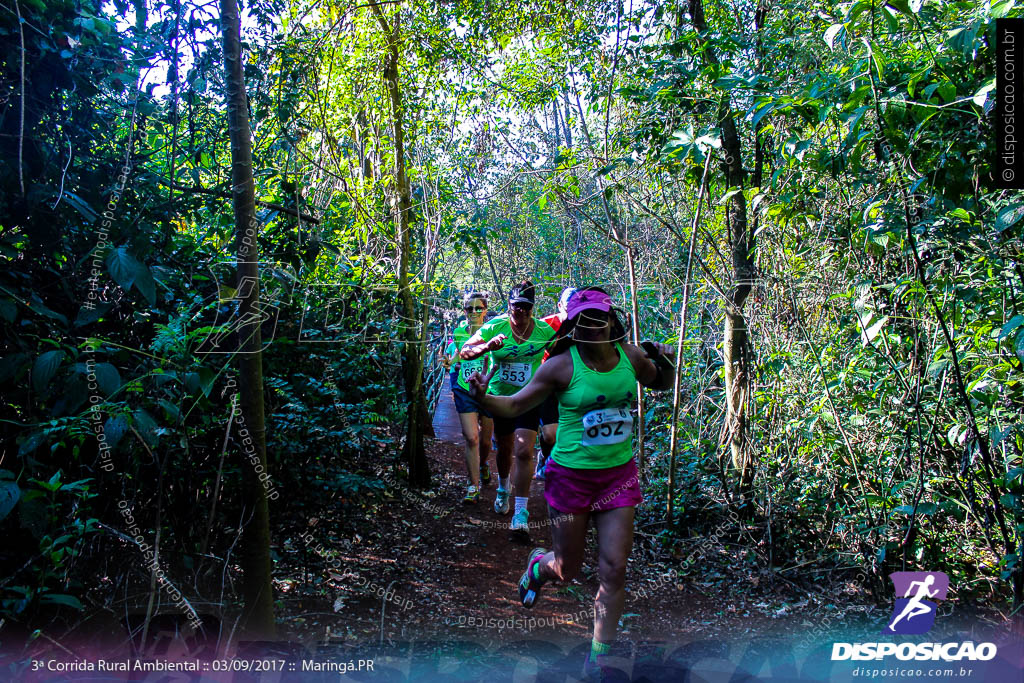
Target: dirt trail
453 571
485 565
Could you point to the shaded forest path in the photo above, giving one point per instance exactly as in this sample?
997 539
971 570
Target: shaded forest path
452 570
480 596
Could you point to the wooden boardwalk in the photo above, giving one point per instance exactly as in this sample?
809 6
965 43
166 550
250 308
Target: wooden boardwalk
446 420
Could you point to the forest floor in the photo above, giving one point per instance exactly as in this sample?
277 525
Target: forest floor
449 571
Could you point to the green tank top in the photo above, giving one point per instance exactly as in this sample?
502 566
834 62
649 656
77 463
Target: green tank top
517 363
595 425
468 367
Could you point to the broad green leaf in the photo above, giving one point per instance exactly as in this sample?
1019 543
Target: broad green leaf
760 110
123 267
1011 325
877 58
45 367
890 19
857 9
114 429
709 141
147 426
107 378
830 35
868 335
901 6
8 310
9 495
1002 8
91 313
80 205
61 599
917 78
12 365
997 435
172 410
145 284
982 95
965 39
948 91
1009 217
31 442
37 306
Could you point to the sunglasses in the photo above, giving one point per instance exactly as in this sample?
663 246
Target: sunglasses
597 316
521 306
475 309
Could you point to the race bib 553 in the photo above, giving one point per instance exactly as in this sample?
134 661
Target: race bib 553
516 374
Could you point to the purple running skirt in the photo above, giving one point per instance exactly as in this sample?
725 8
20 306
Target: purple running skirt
575 491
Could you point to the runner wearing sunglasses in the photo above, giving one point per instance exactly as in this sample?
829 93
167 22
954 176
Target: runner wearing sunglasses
476 422
591 473
516 342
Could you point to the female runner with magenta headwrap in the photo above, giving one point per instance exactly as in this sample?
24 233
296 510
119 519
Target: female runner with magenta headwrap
591 473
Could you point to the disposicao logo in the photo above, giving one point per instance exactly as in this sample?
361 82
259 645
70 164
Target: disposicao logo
914 614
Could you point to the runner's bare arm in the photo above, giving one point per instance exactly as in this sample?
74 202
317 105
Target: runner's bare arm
647 371
550 377
476 346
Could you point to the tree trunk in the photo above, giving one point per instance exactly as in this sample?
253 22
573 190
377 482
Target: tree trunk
412 352
257 591
735 343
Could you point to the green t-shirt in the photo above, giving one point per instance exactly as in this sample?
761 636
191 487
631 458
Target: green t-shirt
466 368
595 422
517 363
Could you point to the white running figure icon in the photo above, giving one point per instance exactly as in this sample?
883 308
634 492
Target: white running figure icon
914 608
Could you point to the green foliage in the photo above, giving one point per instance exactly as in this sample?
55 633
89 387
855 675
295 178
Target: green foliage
544 140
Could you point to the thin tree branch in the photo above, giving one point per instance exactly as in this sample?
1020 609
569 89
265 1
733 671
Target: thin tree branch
224 194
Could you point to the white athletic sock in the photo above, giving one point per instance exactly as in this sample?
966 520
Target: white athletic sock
521 503
503 483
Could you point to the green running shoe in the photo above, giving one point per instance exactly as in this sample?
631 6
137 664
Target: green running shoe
501 502
485 475
472 495
529 587
521 526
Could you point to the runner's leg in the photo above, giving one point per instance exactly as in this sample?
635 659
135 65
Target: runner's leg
471 434
568 543
614 543
547 438
504 456
522 476
486 430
